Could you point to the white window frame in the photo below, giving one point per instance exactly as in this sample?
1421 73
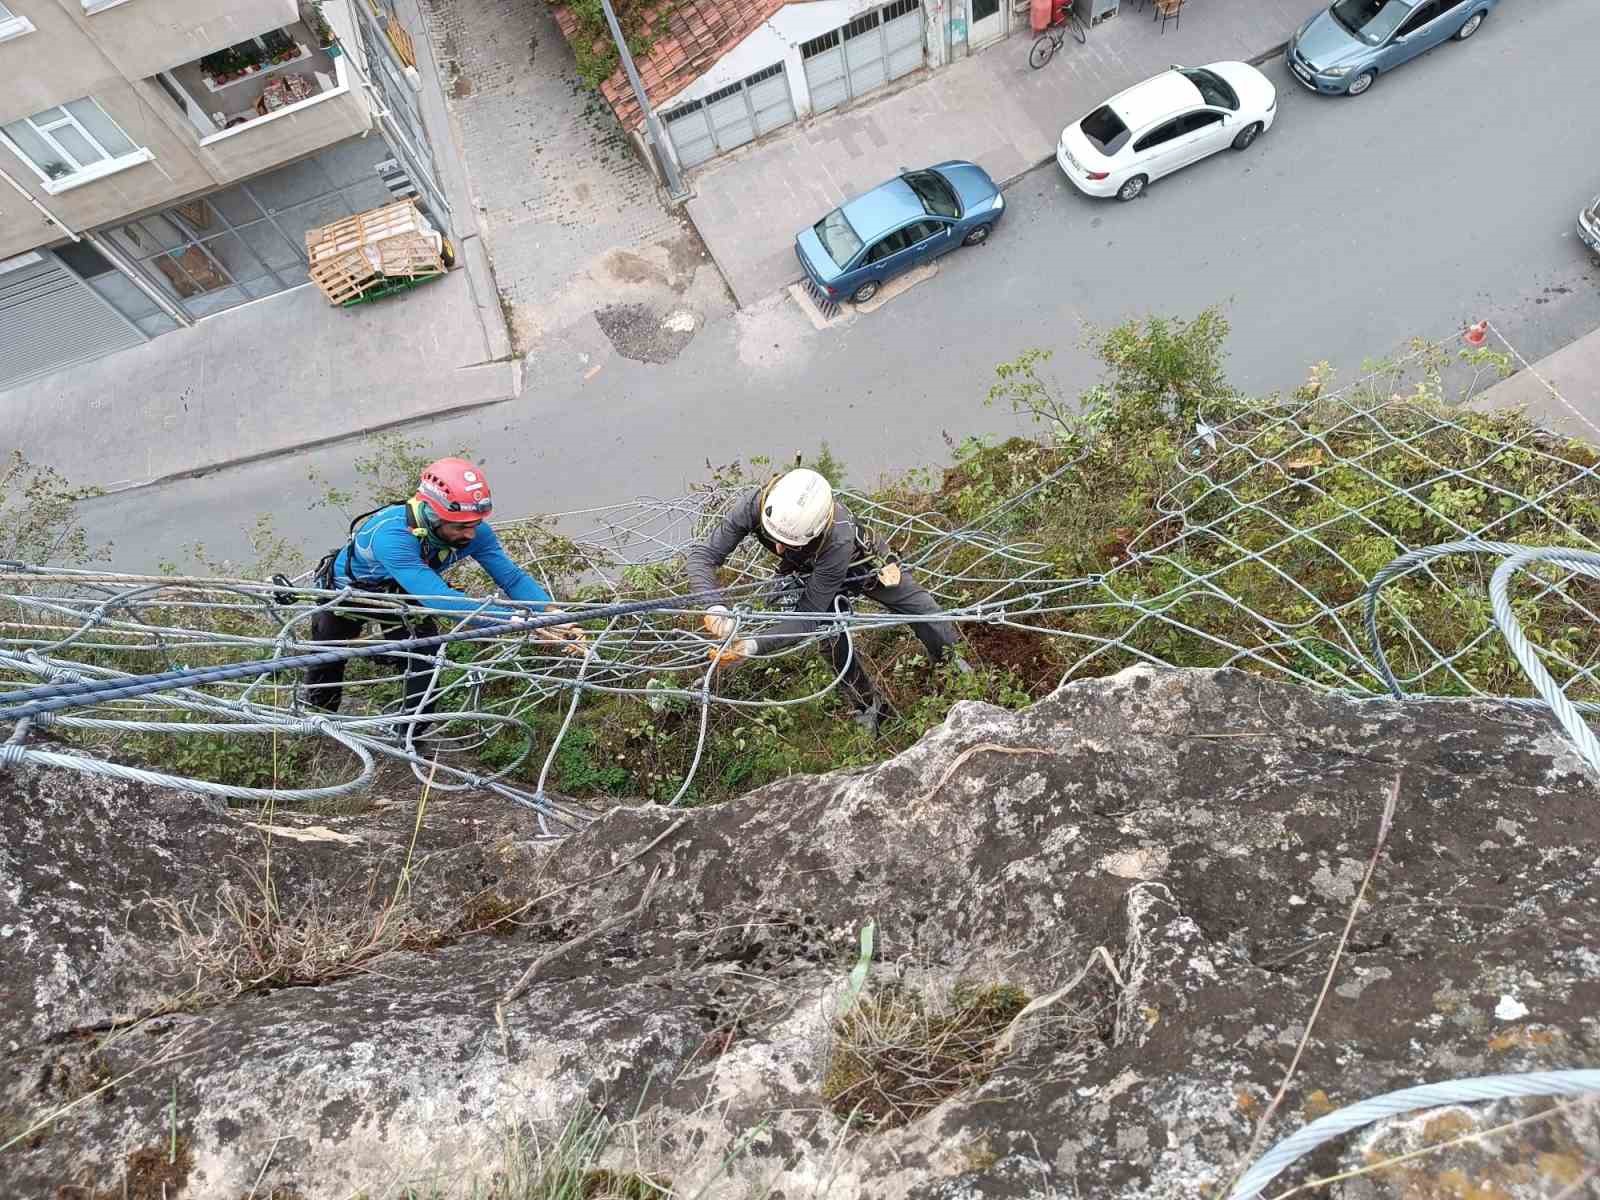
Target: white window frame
83 173
13 25
90 7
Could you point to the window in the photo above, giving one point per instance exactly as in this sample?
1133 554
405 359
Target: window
1157 136
1420 16
12 25
1204 119
921 231
90 7
1105 130
1370 20
893 244
1213 88
837 238
936 196
72 143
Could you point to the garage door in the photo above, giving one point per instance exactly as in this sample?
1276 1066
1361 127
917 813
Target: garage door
877 47
730 117
49 319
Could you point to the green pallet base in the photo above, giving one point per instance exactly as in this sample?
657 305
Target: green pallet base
388 288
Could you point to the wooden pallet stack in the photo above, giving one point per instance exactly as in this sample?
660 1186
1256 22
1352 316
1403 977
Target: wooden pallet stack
362 252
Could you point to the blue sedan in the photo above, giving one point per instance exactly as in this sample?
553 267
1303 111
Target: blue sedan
1343 49
898 225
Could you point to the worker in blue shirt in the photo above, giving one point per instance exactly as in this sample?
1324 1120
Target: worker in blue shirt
404 549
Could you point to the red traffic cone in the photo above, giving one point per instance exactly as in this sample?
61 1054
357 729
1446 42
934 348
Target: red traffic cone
1476 332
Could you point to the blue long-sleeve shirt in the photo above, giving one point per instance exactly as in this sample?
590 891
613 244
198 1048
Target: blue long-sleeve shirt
385 548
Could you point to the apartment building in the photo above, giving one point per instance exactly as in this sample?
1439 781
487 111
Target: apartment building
161 160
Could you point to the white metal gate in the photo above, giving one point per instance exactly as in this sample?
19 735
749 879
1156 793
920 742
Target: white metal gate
872 50
49 319
731 117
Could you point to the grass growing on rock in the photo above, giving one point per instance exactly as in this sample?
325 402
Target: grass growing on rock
897 1053
1183 523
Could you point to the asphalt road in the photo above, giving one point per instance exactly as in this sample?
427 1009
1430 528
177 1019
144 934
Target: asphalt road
1446 194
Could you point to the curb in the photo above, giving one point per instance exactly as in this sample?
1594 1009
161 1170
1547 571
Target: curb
118 489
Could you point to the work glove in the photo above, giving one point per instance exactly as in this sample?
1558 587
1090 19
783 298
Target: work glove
572 638
732 655
718 623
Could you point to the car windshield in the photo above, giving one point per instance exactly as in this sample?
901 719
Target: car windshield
1214 89
936 195
837 238
1370 20
1105 130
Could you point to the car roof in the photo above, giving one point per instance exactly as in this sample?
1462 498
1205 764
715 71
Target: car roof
885 207
1154 99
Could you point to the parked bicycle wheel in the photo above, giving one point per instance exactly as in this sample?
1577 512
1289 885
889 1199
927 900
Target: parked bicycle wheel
1043 48
1080 32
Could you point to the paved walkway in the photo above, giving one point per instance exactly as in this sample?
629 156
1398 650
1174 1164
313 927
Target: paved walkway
260 380
1561 391
554 183
990 108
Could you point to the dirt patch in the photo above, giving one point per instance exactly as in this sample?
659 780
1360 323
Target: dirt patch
641 333
1024 653
628 267
460 88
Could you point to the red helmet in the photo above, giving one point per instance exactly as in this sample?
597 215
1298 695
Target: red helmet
454 491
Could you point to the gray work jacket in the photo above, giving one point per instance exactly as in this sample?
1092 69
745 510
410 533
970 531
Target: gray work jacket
825 561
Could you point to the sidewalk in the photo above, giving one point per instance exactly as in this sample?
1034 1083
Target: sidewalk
1572 371
990 108
272 376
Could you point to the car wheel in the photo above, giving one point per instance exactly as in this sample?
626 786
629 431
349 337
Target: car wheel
976 236
1247 135
865 292
1471 27
1132 188
1360 84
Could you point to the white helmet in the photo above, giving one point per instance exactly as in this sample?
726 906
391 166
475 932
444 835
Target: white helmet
797 508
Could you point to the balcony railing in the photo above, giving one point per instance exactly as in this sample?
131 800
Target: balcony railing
276 73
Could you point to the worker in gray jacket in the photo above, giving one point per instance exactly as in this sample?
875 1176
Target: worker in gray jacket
815 538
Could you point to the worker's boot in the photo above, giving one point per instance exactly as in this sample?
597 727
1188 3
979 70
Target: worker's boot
869 718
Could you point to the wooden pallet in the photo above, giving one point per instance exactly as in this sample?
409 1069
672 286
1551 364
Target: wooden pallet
355 255
402 43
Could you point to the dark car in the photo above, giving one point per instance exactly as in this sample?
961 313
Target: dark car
914 217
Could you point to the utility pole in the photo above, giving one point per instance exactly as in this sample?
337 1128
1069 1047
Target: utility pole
675 186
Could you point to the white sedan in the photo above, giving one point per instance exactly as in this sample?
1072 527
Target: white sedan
1179 117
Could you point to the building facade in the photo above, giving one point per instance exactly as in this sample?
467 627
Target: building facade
722 73
161 160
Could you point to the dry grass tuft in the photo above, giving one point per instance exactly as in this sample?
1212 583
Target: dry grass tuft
253 942
897 1054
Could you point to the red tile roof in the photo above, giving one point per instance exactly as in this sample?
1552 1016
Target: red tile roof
698 33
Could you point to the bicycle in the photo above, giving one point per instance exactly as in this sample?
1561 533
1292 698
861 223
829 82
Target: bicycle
1051 39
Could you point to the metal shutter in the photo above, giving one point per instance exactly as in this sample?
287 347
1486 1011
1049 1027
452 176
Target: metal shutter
731 123
770 100
691 134
825 75
863 53
49 319
902 35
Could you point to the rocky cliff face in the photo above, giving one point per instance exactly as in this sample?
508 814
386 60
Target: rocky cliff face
1209 830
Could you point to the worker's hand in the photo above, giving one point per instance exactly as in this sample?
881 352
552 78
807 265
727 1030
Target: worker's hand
733 655
572 638
717 622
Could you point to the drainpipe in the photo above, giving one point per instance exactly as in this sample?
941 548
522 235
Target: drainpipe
669 165
108 252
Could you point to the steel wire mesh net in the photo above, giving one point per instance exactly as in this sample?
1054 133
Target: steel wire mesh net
1264 546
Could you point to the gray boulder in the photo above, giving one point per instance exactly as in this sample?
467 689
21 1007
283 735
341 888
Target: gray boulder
1187 845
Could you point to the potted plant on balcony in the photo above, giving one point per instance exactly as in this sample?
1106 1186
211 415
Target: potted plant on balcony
327 40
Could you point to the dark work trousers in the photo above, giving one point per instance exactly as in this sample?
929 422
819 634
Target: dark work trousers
325 684
908 597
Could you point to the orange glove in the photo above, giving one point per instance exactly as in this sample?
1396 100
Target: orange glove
733 655
717 622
